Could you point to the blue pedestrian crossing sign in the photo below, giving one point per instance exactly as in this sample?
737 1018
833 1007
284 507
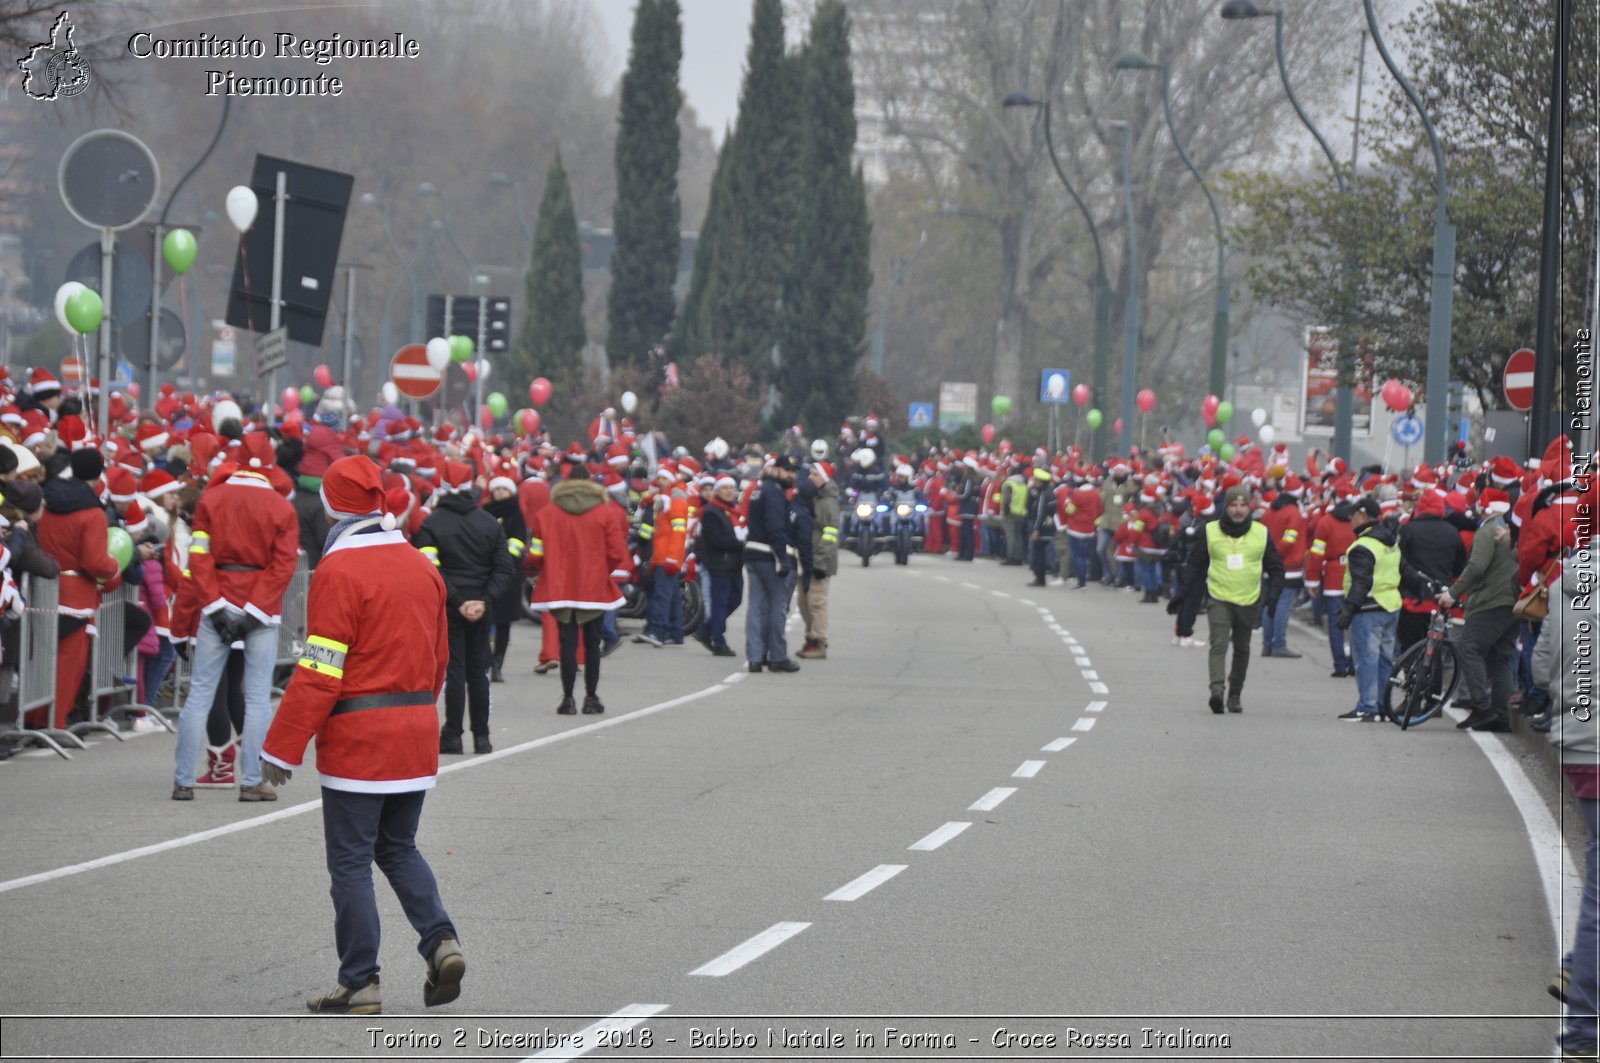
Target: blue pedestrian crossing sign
1055 387
1407 430
921 415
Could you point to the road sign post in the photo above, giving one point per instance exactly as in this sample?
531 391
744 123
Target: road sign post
272 351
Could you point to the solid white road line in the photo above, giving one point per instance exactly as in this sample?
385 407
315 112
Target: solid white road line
756 947
1058 745
589 1036
309 806
1095 706
735 677
1085 723
860 887
1087 674
1028 769
991 800
938 837
1099 688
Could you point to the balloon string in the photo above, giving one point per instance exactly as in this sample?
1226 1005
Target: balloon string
249 309
183 308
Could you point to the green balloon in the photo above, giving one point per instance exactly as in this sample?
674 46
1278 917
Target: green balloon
180 250
308 394
460 348
119 544
497 403
85 310
1001 405
1216 438
1226 453
1224 411
1095 418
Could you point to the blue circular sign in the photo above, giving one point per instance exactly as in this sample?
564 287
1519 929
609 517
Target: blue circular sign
1407 431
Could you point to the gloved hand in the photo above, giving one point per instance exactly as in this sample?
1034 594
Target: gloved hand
182 649
817 574
1345 617
1174 606
783 570
273 774
223 623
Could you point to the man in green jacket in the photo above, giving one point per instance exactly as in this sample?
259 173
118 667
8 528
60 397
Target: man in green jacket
1487 643
821 493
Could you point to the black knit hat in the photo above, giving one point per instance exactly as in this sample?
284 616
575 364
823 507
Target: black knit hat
87 464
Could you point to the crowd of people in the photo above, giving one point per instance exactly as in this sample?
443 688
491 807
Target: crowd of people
222 505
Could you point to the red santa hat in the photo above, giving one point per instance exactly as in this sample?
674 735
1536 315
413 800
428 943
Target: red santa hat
1424 477
133 518
11 414
158 482
1493 503
1293 485
72 432
502 482
121 485
1430 503
352 487
35 426
43 383
1504 470
256 451
457 477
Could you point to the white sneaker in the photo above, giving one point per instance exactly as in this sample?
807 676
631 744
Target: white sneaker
1176 641
143 722
1191 643
1056 581
649 639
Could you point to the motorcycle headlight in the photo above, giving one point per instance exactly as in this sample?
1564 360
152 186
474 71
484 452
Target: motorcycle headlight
921 508
903 509
883 509
864 510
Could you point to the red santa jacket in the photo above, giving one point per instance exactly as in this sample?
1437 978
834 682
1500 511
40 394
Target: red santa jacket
1287 526
73 531
1080 511
243 552
377 645
182 597
1564 520
581 545
1325 560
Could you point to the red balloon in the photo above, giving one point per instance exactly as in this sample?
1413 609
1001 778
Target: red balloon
987 432
530 421
293 423
1117 426
323 376
1080 394
1396 395
133 390
539 391
486 417
471 372
291 398
1146 400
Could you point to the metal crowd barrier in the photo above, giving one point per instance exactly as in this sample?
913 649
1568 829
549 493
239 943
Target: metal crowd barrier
113 672
292 629
37 640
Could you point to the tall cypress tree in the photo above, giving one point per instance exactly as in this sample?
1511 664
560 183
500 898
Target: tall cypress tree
551 344
825 305
700 328
644 261
762 188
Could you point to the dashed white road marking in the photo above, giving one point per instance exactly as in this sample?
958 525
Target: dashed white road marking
1089 674
938 837
1082 662
860 887
1028 769
971 586
1025 601
755 948
1043 611
1058 745
1085 723
589 1037
991 800
1000 594
1099 688
1095 706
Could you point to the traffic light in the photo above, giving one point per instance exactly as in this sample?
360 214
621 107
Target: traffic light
484 319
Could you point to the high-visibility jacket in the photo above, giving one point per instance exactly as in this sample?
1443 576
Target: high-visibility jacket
1385 571
1234 573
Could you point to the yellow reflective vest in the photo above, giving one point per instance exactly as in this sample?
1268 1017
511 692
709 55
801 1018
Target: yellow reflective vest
1234 572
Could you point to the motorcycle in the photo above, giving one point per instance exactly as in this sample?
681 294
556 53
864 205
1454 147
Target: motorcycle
909 518
869 526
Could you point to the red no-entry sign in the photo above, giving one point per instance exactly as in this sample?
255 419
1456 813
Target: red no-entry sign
411 373
1519 380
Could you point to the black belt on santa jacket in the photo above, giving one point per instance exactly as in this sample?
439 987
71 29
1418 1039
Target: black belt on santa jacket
382 701
238 568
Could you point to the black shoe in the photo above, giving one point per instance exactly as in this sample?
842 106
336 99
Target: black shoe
1358 717
1036 583
1342 673
756 666
1234 704
449 743
609 647
1287 653
568 707
495 676
784 665
1474 718
592 706
481 744
701 637
1495 724
723 650
1216 700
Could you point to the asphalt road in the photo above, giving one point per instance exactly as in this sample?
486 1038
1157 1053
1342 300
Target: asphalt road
998 821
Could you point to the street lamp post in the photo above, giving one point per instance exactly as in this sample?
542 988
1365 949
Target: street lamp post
1102 289
1130 316
1344 393
428 189
500 180
1219 317
1437 388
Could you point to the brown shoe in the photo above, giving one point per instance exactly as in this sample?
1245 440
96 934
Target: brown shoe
445 967
809 649
182 793
368 1000
260 792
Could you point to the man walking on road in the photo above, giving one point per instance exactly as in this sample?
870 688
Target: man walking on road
367 688
1371 605
1231 564
766 567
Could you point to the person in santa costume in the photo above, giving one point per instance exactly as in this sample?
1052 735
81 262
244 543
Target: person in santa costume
367 688
242 554
583 551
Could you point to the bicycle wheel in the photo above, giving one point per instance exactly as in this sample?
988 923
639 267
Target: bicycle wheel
1421 683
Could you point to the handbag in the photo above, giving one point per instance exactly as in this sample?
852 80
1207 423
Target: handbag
1534 604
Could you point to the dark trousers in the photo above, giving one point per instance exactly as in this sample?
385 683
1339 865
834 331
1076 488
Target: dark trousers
763 620
727 592
1484 650
591 656
1233 624
1410 629
967 539
1039 557
466 680
360 830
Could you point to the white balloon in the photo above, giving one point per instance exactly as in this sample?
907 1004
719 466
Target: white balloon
483 368
1266 435
63 293
438 353
242 205
224 411
1056 385
391 394
1258 417
630 402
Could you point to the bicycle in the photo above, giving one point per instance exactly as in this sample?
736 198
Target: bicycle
1423 677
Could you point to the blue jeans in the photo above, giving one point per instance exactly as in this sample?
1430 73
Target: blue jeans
210 661
1372 642
666 606
1331 608
360 829
727 591
1082 551
154 668
764 616
1275 629
1582 998
1147 575
608 626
